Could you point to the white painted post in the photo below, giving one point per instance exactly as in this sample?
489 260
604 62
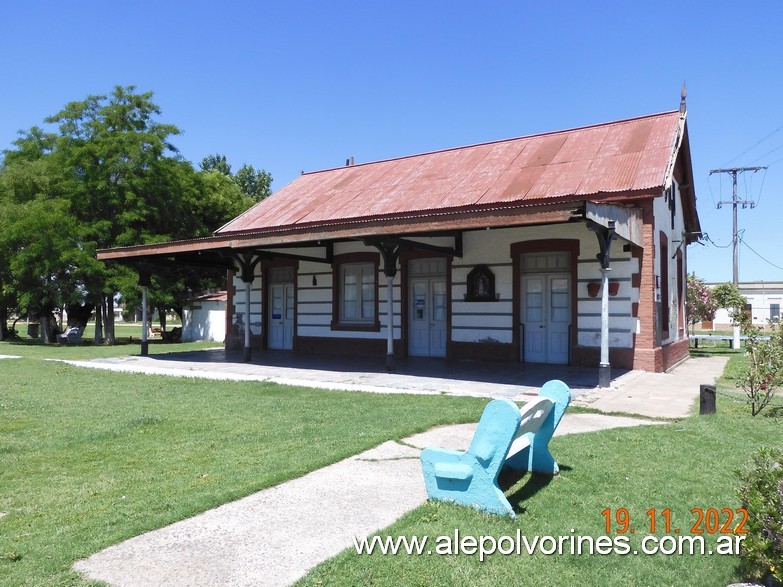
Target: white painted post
144 343
604 368
390 323
248 285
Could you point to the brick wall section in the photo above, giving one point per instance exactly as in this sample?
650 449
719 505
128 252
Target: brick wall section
675 352
588 356
648 355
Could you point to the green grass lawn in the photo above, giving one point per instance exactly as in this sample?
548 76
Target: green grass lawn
86 350
90 458
684 465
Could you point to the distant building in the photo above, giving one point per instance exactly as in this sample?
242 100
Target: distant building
765 299
205 318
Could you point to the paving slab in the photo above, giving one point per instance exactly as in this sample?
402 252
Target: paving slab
274 537
658 395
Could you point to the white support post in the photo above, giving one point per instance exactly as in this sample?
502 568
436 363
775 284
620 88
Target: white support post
390 323
248 286
604 368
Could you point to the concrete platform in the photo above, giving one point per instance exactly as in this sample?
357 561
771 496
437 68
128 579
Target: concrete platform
661 395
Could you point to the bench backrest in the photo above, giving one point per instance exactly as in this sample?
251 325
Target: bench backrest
501 424
496 430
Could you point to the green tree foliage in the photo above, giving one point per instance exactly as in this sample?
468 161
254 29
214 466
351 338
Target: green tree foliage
728 296
105 175
255 184
700 304
216 162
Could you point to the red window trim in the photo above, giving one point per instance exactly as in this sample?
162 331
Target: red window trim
346 259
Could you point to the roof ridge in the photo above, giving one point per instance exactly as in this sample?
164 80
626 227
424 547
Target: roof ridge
495 142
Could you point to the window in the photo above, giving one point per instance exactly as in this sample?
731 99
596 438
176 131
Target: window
355 293
357 299
774 312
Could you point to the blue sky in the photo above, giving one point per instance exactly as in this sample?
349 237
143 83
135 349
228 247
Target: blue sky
292 86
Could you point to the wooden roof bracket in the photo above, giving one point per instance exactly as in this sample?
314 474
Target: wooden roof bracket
410 245
605 236
247 263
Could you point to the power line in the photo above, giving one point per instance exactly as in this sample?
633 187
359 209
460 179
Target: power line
733 171
757 143
716 245
778 148
775 161
761 189
759 256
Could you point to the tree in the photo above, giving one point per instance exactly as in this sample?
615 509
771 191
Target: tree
106 176
256 185
727 295
216 162
700 304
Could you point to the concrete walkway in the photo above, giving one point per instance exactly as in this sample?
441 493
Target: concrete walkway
276 536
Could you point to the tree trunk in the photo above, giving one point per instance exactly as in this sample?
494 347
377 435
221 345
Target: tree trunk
43 323
98 322
48 326
3 322
109 320
162 318
79 314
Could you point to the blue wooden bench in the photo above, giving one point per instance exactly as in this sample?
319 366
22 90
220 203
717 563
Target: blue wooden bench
506 436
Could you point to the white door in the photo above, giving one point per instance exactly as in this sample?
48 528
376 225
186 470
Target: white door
281 316
427 328
546 318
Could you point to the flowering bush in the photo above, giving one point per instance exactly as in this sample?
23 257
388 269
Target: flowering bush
761 493
764 372
700 304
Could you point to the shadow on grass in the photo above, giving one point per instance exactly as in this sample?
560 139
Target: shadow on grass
714 352
508 478
85 342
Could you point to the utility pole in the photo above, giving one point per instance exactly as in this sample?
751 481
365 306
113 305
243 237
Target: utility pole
735 201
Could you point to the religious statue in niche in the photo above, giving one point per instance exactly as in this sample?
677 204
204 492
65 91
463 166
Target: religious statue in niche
481 285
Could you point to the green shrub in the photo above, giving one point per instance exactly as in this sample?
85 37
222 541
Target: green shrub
761 493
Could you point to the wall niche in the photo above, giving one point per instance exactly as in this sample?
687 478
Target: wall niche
481 285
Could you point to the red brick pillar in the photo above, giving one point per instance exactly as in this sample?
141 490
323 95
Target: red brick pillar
647 352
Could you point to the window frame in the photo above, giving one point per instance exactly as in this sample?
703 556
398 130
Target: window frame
339 262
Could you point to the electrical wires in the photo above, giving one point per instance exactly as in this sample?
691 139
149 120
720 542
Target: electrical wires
757 253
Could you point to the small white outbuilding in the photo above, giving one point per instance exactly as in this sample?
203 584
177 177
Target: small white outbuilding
205 318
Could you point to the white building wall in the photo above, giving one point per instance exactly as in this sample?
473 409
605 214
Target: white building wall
471 321
256 300
676 238
761 296
206 320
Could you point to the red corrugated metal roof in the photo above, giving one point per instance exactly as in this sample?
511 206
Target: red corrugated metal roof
612 159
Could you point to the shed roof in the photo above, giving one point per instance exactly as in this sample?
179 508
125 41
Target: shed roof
605 162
